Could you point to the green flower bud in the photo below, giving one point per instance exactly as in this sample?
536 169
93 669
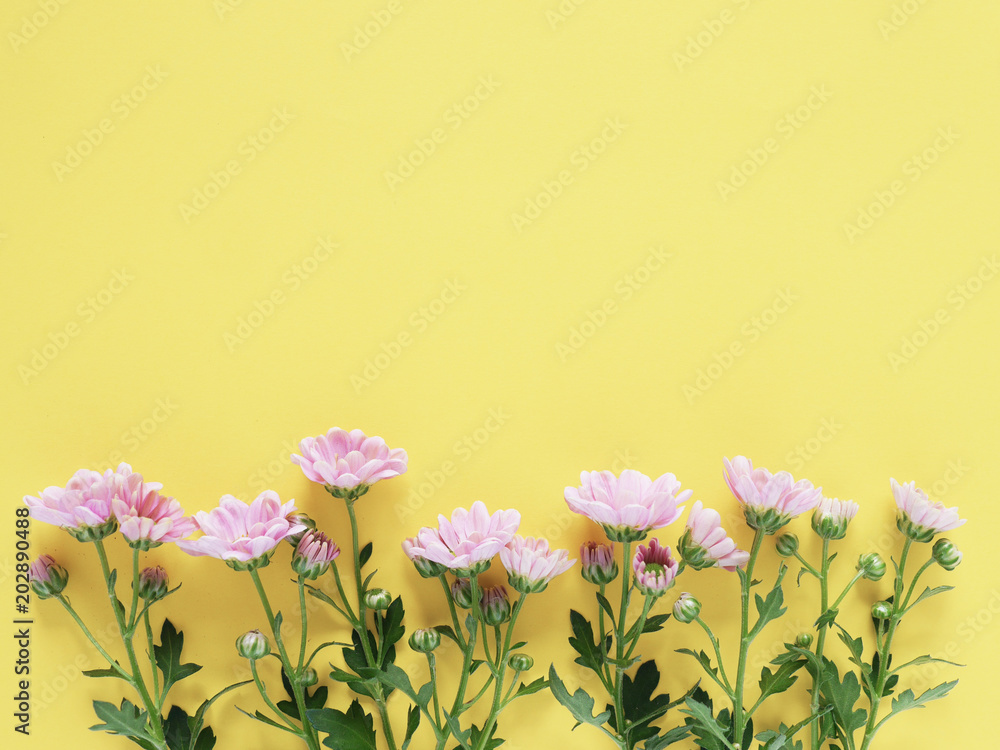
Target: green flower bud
881 610
424 641
153 584
598 563
494 606
946 554
686 608
378 599
461 592
309 677
804 640
520 662
305 520
47 577
787 545
253 645
871 566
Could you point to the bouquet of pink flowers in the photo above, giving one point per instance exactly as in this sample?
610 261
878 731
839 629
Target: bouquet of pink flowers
845 702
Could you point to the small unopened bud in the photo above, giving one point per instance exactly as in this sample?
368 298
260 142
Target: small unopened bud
946 554
520 662
153 584
314 554
494 606
47 577
305 520
831 518
881 610
309 677
253 645
378 599
787 544
686 608
598 563
804 640
425 640
871 566
461 592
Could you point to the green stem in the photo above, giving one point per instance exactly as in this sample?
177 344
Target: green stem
724 683
857 577
620 641
913 584
349 614
126 634
470 647
432 668
308 733
502 654
451 607
605 673
152 660
824 595
90 637
263 694
739 718
641 622
886 649
304 623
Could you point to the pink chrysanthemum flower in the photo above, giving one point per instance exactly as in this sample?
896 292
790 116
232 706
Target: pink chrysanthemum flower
832 516
919 517
705 544
467 542
426 568
243 535
148 519
769 500
348 463
314 554
655 568
627 507
83 506
531 565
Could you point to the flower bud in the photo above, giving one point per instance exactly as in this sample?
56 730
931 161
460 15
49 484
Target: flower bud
425 640
787 544
804 640
426 568
686 608
314 554
871 566
309 677
305 520
882 610
520 662
831 517
253 645
153 584
461 592
494 606
47 577
598 563
378 599
946 554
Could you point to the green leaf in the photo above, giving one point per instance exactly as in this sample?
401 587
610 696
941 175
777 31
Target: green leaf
928 593
177 729
447 632
365 554
168 656
579 704
125 720
917 662
769 609
664 740
827 618
353 730
639 704
392 623
583 642
104 673
702 658
906 700
532 687
703 719
780 680
198 720
263 719
397 678
316 699
456 730
606 606
842 695
655 623
412 722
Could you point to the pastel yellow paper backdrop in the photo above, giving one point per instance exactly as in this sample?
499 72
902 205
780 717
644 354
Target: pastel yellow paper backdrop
558 236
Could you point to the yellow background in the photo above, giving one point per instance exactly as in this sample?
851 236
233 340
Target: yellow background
153 374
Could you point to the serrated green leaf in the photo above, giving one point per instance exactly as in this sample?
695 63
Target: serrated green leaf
665 740
927 593
826 618
580 704
177 729
412 722
168 656
584 643
842 695
655 623
263 719
780 680
906 700
397 678
770 608
532 687
703 718
353 730
925 659
125 719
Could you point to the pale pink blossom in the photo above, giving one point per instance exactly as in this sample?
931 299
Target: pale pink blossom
627 507
83 506
147 518
345 460
655 568
598 564
769 500
919 517
468 541
832 516
705 543
243 535
46 577
314 554
531 565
